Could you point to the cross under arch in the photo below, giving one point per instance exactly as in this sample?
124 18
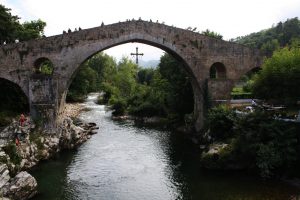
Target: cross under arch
137 54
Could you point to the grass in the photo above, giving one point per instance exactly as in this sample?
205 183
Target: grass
239 93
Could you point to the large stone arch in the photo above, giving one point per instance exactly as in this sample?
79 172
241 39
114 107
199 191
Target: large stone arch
85 54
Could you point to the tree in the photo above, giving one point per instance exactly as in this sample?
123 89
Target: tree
180 94
9 24
11 29
269 47
213 34
279 78
104 65
144 76
268 40
31 30
119 85
83 83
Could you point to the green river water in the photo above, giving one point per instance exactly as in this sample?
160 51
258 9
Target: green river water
127 162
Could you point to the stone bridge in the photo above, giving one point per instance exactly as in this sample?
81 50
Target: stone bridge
212 64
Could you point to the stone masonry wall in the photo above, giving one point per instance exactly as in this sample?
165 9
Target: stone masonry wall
69 50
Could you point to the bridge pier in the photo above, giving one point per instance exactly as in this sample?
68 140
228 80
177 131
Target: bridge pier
198 105
42 97
44 115
220 89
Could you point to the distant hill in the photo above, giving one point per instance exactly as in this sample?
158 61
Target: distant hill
268 40
149 63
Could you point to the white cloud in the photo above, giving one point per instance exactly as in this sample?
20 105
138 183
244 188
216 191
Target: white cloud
231 18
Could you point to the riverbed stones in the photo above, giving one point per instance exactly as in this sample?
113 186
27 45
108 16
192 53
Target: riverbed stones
23 186
42 147
4 175
216 148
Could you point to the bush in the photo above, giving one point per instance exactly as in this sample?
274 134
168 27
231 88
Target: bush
257 142
118 105
220 121
271 144
279 78
11 151
240 93
145 109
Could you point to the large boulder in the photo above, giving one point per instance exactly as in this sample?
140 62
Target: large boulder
21 187
4 175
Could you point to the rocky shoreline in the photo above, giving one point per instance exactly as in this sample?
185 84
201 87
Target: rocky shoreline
73 110
36 145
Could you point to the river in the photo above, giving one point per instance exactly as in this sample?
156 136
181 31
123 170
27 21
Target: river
125 162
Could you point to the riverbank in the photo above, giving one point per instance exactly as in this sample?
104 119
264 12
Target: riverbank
159 122
34 146
73 110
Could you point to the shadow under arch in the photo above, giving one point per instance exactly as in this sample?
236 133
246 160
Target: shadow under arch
13 99
217 71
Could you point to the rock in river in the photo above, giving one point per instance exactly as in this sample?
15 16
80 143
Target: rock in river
21 187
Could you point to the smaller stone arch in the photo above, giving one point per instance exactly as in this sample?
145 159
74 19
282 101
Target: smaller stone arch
43 66
13 98
217 71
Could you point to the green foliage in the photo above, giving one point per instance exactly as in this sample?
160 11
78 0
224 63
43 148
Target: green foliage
119 85
11 150
240 93
258 142
279 78
213 34
270 46
220 121
127 88
271 144
11 29
144 102
84 82
148 92
94 75
31 30
118 105
144 76
9 25
281 35
46 67
180 98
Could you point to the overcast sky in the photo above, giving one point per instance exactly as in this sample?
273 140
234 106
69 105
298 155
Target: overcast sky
230 18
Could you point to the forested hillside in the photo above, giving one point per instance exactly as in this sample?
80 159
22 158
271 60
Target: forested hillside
280 35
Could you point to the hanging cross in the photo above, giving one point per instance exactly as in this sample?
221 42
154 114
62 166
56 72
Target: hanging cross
137 54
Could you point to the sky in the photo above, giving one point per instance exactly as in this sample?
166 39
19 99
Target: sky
230 18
